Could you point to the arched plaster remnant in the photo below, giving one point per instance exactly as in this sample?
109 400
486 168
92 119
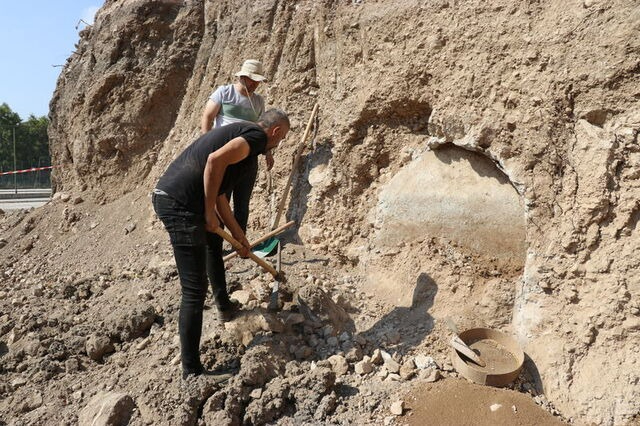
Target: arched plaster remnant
456 195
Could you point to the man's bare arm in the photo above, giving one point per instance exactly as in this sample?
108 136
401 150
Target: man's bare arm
232 152
228 218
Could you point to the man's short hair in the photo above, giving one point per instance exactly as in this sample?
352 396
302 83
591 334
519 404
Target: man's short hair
272 117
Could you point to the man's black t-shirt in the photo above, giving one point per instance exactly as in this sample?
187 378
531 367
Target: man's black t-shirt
184 178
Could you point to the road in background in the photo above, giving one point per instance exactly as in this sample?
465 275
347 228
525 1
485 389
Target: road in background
25 193
24 203
24 199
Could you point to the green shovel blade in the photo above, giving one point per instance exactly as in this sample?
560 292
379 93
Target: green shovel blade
266 248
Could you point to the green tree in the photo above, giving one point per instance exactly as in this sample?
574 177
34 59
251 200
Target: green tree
34 142
8 120
31 146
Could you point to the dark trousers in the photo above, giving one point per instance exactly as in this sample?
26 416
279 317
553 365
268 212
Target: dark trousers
198 254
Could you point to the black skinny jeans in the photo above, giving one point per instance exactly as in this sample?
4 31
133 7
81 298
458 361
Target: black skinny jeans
198 255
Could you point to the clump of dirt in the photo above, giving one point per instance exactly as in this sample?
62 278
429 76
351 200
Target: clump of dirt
471 160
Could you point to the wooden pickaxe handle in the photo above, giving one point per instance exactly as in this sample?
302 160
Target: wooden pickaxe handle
236 245
294 167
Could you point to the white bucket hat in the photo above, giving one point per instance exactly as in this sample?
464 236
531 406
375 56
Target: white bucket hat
253 69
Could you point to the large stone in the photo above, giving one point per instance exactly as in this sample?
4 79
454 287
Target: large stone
293 319
269 322
242 296
429 375
392 365
245 327
18 382
32 402
97 346
407 370
363 367
72 365
353 354
317 307
424 361
107 409
376 357
397 408
135 323
339 365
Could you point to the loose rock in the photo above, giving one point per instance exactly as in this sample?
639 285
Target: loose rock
339 365
422 362
407 370
397 408
97 346
363 367
107 409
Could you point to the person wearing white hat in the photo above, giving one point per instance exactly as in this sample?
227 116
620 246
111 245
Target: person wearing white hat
234 103
229 104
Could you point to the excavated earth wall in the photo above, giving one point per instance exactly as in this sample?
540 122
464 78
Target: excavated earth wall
545 92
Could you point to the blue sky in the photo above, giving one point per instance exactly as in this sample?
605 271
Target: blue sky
36 35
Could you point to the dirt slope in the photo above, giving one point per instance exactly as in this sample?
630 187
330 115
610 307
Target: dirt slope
546 93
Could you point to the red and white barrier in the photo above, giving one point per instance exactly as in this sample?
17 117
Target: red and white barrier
33 169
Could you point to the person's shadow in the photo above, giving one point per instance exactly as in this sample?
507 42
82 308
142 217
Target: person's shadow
406 327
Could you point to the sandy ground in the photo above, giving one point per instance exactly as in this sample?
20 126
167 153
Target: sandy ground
459 402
